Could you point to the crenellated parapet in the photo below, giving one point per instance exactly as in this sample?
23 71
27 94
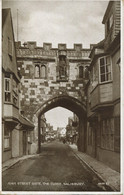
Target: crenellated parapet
30 49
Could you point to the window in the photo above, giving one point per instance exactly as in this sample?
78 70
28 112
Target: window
37 71
110 22
6 137
15 93
94 76
29 137
86 72
15 98
40 71
105 69
10 47
107 134
80 71
43 71
7 90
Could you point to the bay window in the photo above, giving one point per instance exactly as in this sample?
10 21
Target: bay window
15 93
105 69
7 90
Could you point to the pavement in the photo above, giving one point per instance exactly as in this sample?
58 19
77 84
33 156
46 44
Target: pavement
108 175
9 163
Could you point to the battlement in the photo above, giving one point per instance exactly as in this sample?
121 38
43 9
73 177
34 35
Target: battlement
29 49
48 46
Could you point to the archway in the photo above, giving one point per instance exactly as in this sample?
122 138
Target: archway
71 104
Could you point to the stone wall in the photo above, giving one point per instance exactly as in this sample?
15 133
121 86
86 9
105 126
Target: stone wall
35 91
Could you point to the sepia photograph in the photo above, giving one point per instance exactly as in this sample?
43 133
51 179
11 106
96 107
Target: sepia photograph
60 96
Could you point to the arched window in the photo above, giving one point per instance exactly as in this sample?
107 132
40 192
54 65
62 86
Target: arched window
37 71
80 71
43 71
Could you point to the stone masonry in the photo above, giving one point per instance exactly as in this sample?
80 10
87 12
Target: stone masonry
37 88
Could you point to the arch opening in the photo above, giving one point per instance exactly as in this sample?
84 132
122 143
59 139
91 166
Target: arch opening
68 103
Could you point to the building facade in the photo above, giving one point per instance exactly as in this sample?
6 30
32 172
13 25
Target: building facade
48 72
103 93
52 77
14 126
72 129
43 126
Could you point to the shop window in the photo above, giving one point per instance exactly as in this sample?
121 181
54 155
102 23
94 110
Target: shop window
43 71
6 137
7 90
80 72
105 69
107 134
37 71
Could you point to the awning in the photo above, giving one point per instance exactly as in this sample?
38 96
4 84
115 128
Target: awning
26 122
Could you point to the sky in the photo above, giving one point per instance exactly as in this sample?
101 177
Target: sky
70 21
58 117
58 21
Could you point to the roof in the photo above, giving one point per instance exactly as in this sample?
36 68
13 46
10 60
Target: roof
99 45
107 11
5 12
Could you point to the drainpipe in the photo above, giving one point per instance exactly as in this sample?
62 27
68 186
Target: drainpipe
39 136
